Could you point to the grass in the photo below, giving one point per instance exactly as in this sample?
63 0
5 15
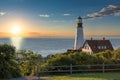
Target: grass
87 76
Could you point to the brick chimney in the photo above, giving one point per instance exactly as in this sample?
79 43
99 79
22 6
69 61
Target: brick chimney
103 38
91 38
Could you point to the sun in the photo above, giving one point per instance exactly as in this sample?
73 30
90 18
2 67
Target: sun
16 30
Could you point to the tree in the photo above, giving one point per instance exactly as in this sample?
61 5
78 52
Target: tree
28 62
8 63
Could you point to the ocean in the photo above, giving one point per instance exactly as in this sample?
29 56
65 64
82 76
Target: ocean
46 46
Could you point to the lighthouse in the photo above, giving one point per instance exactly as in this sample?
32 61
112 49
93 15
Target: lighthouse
79 38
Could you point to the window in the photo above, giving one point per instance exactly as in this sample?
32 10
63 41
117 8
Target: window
99 47
85 46
102 47
105 47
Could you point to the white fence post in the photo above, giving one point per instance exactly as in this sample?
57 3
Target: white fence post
70 68
103 68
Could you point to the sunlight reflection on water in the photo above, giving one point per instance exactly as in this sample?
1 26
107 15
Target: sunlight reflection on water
16 41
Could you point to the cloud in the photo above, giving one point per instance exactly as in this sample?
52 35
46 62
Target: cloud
67 14
110 10
44 15
2 13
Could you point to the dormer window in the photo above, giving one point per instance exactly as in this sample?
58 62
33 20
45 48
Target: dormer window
102 47
99 47
105 47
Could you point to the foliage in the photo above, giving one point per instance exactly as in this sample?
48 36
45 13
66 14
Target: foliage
75 58
28 61
8 63
78 58
15 64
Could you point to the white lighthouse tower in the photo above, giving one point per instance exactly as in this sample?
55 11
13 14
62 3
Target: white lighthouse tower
79 35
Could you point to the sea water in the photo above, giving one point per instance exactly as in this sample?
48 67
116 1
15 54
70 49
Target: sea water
46 46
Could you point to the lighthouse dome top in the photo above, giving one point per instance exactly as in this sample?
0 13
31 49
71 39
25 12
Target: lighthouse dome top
79 19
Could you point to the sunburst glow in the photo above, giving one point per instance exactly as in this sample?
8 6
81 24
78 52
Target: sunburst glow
16 30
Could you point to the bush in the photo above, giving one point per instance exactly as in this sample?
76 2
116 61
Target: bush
80 58
28 62
8 64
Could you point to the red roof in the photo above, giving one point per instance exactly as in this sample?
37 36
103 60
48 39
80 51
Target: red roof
99 45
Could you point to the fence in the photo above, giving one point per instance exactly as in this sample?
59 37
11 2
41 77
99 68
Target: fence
79 68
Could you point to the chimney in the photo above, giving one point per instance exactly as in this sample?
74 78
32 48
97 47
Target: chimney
103 38
91 38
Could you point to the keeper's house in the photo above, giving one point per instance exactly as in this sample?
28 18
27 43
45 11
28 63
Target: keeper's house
95 46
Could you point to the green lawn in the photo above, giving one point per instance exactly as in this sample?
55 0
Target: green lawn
87 76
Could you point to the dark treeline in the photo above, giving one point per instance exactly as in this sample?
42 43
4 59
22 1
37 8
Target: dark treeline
24 63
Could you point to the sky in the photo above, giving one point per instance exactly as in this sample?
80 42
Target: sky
57 18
